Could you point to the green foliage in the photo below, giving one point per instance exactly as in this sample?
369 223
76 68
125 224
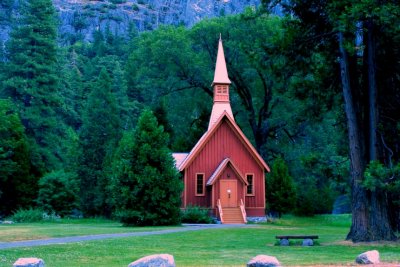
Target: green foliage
17 184
379 177
32 215
28 215
58 192
32 80
195 214
99 135
280 190
146 185
313 198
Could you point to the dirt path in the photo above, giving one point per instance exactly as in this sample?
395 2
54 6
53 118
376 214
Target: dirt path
73 239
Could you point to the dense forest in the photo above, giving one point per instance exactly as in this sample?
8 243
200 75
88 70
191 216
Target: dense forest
316 90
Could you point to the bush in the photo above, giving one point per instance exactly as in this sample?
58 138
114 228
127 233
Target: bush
33 215
313 199
58 192
28 215
280 190
195 214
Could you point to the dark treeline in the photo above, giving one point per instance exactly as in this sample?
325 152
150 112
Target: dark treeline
90 126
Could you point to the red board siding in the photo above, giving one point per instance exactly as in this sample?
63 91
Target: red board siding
224 144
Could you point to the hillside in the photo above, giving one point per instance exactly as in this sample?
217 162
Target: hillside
79 18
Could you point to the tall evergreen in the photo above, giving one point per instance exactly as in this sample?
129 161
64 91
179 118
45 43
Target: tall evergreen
31 78
99 134
147 188
17 186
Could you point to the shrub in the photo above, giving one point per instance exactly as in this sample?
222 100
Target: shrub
28 215
281 194
195 214
58 192
312 198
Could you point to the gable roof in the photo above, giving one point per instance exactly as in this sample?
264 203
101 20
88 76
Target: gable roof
207 135
221 167
179 158
217 110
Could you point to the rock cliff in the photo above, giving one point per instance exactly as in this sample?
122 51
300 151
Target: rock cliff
80 18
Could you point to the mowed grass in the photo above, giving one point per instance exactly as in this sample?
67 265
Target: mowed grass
217 247
65 227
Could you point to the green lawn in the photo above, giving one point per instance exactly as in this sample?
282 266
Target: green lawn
213 247
30 231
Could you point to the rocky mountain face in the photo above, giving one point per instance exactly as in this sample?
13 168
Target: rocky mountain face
81 18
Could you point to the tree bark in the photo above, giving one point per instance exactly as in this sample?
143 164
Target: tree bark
359 226
380 225
370 220
372 93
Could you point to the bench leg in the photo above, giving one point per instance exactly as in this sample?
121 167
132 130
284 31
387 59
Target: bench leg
308 242
284 242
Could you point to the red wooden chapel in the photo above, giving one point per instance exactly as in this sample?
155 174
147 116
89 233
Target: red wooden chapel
223 171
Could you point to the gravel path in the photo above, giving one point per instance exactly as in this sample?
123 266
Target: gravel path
72 239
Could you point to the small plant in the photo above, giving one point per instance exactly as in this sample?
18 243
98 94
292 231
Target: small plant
195 214
28 215
34 215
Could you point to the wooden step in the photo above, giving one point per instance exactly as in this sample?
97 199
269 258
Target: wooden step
232 216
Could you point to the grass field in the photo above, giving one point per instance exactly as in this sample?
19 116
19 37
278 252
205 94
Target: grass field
25 231
213 247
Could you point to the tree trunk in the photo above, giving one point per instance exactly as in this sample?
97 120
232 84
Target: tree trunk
359 226
380 225
370 220
372 93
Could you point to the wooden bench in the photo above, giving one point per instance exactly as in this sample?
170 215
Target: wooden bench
287 237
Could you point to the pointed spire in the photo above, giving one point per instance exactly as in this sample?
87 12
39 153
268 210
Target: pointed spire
221 73
221 84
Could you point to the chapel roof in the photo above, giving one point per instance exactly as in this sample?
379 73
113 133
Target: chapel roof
221 73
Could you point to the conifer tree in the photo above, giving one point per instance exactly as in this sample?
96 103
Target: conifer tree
147 187
99 134
31 79
281 194
17 186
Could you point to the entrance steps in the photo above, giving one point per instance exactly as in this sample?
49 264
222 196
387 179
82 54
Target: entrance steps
232 216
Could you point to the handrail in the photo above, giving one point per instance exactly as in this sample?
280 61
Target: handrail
243 211
221 215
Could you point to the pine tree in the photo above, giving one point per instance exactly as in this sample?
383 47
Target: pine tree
99 134
280 189
17 185
31 79
147 187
